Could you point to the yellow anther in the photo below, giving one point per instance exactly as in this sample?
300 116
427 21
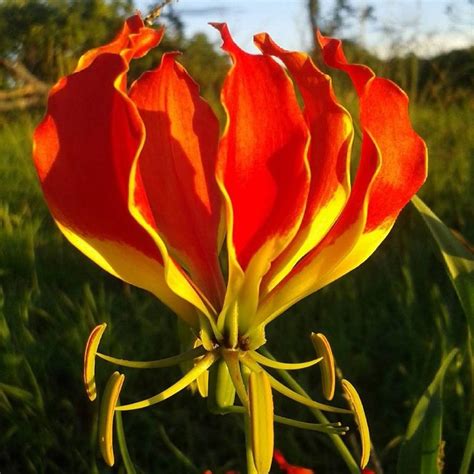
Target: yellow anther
361 420
261 420
89 360
327 365
106 416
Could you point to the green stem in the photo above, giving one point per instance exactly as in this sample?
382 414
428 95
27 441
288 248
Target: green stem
336 439
93 439
179 455
127 460
468 452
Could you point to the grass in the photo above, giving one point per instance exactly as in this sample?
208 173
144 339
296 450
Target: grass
389 322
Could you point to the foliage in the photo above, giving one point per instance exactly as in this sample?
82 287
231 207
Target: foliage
48 36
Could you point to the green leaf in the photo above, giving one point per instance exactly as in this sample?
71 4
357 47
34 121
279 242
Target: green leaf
18 393
458 259
459 263
420 450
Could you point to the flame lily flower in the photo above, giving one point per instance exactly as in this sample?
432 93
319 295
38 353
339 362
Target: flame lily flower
140 181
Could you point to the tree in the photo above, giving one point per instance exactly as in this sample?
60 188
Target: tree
41 40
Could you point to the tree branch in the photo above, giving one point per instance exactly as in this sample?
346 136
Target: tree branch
23 97
21 103
19 70
29 90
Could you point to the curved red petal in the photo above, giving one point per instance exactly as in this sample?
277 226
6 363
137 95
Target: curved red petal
176 190
263 174
83 151
317 268
391 169
133 41
262 155
384 117
331 131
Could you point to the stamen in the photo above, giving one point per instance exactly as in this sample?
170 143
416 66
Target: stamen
284 390
106 416
329 428
155 364
261 420
231 358
202 383
208 332
361 420
182 383
88 373
328 367
274 364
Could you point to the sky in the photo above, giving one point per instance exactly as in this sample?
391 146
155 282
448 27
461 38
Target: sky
421 26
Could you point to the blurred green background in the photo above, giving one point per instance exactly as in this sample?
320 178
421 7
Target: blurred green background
390 322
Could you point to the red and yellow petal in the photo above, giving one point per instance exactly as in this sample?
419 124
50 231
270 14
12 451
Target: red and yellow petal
262 153
391 170
312 272
385 121
262 165
133 41
176 191
331 131
83 152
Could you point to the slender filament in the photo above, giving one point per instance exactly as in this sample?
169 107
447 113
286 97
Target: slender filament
182 383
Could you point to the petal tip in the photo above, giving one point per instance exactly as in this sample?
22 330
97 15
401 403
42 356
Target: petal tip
228 44
321 38
266 45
